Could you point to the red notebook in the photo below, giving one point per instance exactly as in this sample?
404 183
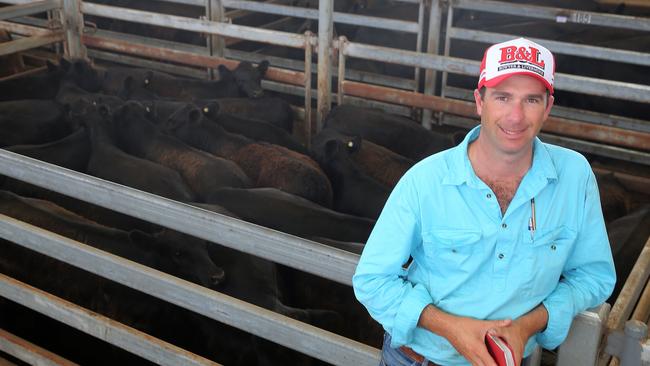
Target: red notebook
500 350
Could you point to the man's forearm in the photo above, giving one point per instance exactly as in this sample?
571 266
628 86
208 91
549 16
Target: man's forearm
534 321
435 320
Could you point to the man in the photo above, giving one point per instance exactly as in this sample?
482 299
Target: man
506 233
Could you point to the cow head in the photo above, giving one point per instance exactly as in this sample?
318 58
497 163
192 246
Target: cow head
249 78
81 73
211 110
188 115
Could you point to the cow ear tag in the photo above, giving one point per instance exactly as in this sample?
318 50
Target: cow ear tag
206 110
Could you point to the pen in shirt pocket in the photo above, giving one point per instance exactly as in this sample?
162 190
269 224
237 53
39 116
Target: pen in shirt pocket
532 224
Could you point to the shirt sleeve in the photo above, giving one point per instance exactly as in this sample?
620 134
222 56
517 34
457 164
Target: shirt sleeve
380 282
588 277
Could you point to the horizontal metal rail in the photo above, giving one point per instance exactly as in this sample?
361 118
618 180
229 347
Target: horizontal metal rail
24 30
30 8
565 48
187 58
559 15
574 83
197 25
588 147
30 42
253 319
97 325
28 352
607 134
569 113
305 255
344 18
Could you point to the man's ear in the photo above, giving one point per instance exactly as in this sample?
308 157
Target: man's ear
479 102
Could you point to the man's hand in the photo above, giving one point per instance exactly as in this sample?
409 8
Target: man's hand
518 333
467 335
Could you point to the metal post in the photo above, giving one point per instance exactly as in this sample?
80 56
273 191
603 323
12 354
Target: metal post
325 25
418 42
430 76
73 25
583 341
307 122
216 44
341 76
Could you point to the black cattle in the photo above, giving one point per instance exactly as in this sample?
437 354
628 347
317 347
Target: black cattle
110 163
275 111
244 81
46 85
627 236
253 129
204 173
70 152
267 165
291 214
181 259
31 122
70 94
399 134
355 192
378 162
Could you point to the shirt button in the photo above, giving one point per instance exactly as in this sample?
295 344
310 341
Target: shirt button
553 247
500 255
504 225
489 195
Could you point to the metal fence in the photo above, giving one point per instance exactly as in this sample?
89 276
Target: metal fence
282 248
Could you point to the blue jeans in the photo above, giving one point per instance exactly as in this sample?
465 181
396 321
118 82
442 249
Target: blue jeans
395 357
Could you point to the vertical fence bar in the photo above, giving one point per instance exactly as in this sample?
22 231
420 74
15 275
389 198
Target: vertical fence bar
418 43
216 44
341 75
308 56
325 25
73 26
431 76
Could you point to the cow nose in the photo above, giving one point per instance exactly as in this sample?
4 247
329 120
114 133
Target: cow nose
218 277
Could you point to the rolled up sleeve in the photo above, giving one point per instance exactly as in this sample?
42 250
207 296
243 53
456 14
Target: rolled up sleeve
588 278
380 282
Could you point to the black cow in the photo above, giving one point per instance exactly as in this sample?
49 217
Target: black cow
31 122
291 214
275 111
355 192
253 129
244 81
399 134
70 152
204 173
110 163
182 259
267 165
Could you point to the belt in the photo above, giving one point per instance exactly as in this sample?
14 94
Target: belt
408 352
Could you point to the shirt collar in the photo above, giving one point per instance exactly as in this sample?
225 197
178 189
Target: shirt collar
460 169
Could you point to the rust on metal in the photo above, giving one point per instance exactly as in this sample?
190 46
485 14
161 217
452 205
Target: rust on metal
187 58
606 134
34 349
23 30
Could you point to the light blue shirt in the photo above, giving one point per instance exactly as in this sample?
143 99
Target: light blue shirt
470 260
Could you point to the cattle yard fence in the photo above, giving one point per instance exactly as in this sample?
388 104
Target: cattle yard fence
626 340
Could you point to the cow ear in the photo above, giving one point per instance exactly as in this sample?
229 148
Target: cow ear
194 116
224 73
210 109
354 144
263 67
148 76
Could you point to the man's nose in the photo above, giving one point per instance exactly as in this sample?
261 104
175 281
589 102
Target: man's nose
516 112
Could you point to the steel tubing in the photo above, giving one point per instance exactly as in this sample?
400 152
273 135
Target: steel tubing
642 309
324 83
559 15
89 322
23 30
30 42
184 57
253 319
29 352
196 25
611 135
34 7
304 255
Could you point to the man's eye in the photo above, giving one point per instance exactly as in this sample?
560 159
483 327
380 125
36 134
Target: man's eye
533 100
502 99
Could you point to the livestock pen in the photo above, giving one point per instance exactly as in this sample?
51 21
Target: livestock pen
599 134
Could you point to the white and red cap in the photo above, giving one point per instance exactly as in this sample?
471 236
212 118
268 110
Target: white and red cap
517 57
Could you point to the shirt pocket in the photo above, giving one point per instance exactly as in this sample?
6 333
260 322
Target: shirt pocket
547 252
448 251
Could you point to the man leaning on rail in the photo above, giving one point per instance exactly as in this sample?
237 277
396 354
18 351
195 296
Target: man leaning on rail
505 232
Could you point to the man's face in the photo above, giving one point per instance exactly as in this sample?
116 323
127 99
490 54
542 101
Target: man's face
512 113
